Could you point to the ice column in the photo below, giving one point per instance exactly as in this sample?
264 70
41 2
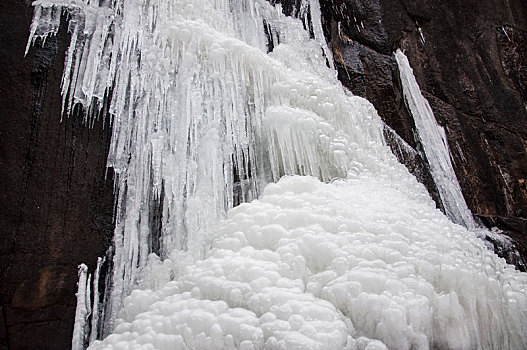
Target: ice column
435 145
83 309
96 305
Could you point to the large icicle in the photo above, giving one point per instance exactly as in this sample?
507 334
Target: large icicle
435 145
83 309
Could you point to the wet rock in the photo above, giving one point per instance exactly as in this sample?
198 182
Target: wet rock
511 45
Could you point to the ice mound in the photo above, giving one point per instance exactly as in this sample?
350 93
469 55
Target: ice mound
363 263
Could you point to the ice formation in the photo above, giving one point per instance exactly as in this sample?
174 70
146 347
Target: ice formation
437 151
191 84
312 265
435 145
82 309
214 99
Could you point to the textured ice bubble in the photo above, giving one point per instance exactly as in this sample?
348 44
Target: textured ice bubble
365 263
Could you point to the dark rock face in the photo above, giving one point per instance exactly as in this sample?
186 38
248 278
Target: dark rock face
56 205
470 59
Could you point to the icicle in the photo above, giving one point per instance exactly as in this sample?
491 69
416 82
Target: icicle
316 20
94 329
82 310
435 144
421 36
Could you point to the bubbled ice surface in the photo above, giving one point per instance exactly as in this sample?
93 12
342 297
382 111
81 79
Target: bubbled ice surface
341 265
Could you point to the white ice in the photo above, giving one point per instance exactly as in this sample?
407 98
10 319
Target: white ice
82 310
435 145
191 84
312 265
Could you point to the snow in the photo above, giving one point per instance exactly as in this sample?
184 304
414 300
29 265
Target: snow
345 251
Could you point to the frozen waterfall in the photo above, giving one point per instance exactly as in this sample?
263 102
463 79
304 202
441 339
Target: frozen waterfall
213 101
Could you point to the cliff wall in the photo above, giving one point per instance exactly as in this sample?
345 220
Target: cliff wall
56 203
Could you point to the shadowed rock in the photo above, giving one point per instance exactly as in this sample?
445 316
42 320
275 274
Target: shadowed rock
55 202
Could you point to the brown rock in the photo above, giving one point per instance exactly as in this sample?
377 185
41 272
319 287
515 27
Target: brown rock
55 202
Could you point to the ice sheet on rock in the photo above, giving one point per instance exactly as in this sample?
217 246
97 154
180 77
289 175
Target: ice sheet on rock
435 145
502 245
362 263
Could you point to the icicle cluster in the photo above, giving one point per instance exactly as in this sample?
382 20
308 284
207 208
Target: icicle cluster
89 69
84 332
190 85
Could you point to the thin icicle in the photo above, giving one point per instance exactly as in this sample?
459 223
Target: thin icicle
316 20
94 329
